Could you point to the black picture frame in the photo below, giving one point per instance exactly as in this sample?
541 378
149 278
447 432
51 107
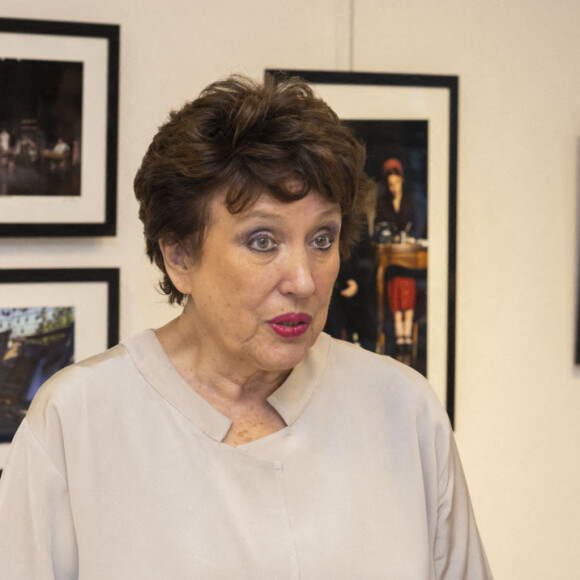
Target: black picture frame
61 79
372 102
50 318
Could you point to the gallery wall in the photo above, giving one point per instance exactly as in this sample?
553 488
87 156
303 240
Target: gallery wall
518 391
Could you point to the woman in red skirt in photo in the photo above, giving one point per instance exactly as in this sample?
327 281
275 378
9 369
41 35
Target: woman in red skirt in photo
398 209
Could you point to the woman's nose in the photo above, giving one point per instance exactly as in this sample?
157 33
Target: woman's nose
297 275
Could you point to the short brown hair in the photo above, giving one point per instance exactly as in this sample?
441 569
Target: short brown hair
244 139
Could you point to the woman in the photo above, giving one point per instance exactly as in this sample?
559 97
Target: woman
398 210
238 441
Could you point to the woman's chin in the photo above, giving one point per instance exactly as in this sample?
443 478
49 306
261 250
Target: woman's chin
287 353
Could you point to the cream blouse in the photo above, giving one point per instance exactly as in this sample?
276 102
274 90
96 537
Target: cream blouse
118 472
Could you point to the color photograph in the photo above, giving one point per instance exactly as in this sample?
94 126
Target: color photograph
380 300
34 344
396 293
50 318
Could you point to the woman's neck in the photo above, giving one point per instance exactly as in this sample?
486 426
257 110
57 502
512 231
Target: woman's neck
397 201
211 375
240 396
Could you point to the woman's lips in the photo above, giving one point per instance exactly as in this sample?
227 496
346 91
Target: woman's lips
291 324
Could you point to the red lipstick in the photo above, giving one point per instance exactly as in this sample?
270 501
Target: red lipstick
291 324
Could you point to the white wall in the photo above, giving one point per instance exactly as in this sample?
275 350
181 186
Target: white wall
518 393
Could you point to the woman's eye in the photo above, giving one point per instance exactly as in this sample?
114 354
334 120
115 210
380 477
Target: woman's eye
262 243
323 241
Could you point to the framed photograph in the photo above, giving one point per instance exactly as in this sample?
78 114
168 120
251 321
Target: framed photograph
396 295
58 128
48 320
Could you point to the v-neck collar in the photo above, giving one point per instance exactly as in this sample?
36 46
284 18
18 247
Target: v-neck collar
289 400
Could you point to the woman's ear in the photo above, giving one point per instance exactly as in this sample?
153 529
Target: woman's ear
177 264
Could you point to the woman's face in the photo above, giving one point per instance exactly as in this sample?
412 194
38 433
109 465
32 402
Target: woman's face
395 184
261 289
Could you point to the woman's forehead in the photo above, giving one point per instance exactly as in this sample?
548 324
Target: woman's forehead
265 205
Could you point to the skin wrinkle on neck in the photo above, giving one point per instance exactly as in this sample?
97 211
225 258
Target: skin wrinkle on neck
251 415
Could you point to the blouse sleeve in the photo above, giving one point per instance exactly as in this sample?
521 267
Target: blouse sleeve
458 552
36 527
